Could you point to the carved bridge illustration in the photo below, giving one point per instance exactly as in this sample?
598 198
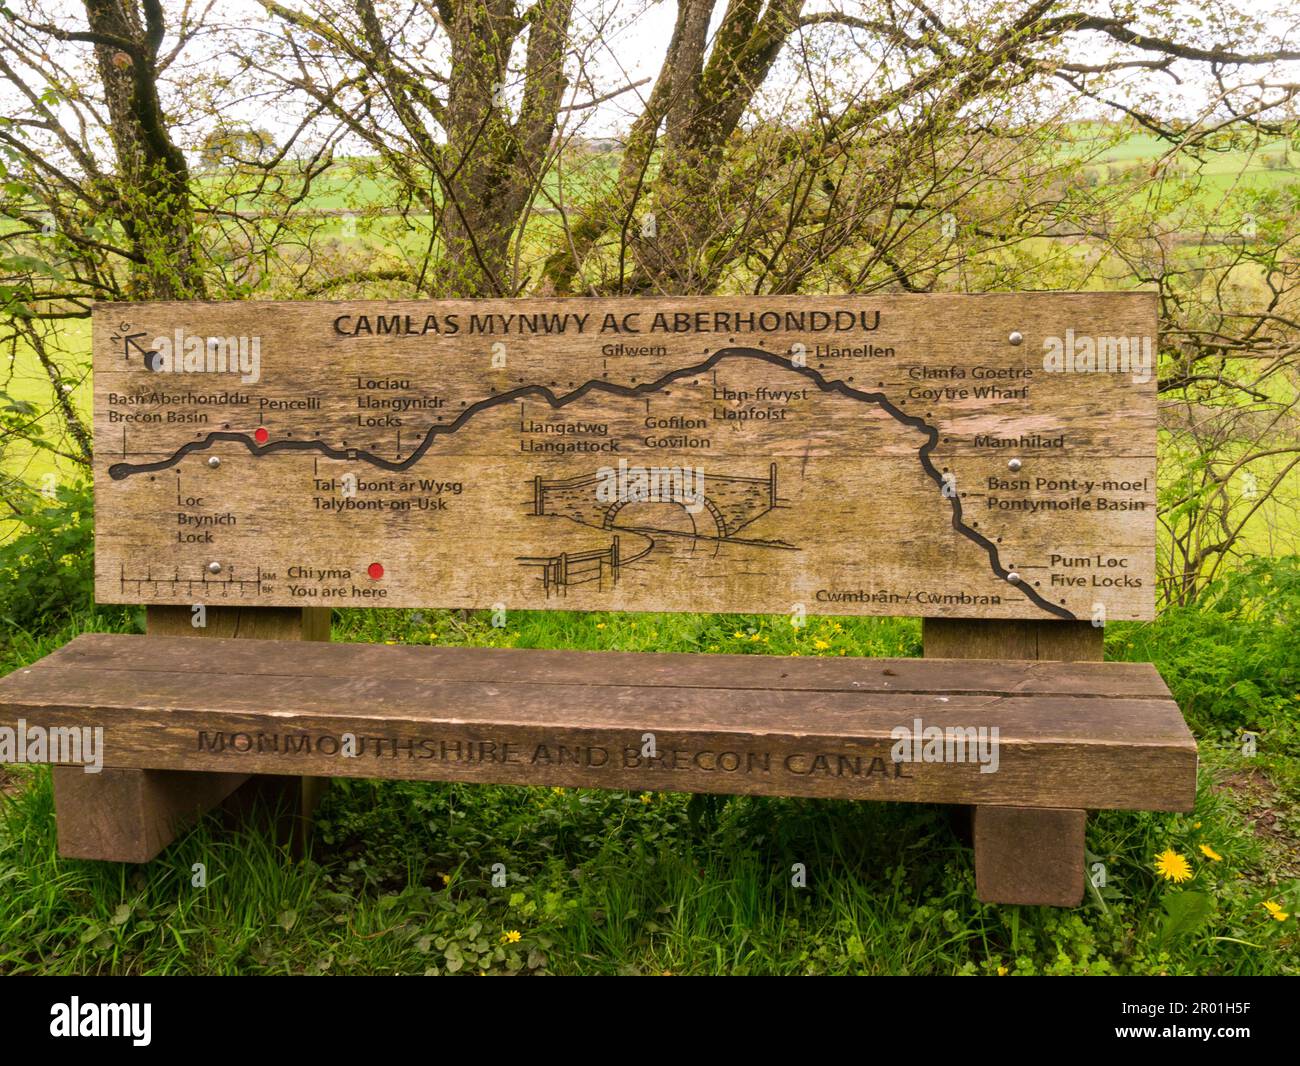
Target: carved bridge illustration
731 502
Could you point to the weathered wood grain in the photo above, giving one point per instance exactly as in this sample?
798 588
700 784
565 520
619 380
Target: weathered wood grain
507 666
220 714
1061 642
1027 856
290 802
824 473
246 623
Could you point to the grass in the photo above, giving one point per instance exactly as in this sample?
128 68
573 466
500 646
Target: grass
401 875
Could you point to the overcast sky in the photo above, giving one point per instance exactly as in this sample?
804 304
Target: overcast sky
635 37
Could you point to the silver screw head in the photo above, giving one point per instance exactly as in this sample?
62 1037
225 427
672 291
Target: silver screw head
1016 337
1014 578
214 568
1013 464
214 462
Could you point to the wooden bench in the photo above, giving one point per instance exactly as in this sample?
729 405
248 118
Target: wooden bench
997 716
1071 736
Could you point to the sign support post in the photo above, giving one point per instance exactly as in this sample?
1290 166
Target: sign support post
1032 856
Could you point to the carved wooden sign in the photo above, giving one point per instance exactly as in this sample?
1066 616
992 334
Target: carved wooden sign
965 456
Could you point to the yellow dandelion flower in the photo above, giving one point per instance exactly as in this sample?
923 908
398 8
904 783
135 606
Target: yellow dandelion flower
820 645
1275 912
558 790
739 634
446 878
1172 866
1002 971
513 936
600 625
1210 853
646 797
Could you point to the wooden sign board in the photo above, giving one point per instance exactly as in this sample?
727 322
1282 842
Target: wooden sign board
964 456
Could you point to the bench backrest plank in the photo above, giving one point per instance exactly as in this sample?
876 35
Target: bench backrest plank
851 455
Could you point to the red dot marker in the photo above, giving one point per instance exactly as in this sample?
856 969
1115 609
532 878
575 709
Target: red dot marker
261 435
375 570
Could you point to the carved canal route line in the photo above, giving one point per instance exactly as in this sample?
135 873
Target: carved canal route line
118 471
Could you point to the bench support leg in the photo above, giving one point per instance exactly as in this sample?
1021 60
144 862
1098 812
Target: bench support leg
1027 855
131 815
122 815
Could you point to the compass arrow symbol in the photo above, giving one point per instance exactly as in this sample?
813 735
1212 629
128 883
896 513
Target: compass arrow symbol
130 341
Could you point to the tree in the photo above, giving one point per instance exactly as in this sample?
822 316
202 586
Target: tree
98 202
149 193
478 178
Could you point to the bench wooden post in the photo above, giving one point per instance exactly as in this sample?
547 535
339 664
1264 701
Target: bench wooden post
124 815
1022 855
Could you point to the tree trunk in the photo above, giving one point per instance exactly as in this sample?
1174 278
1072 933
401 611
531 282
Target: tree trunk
152 194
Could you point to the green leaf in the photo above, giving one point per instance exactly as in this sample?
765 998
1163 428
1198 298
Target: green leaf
1185 913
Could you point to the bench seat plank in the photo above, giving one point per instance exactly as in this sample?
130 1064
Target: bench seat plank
667 669
1071 735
